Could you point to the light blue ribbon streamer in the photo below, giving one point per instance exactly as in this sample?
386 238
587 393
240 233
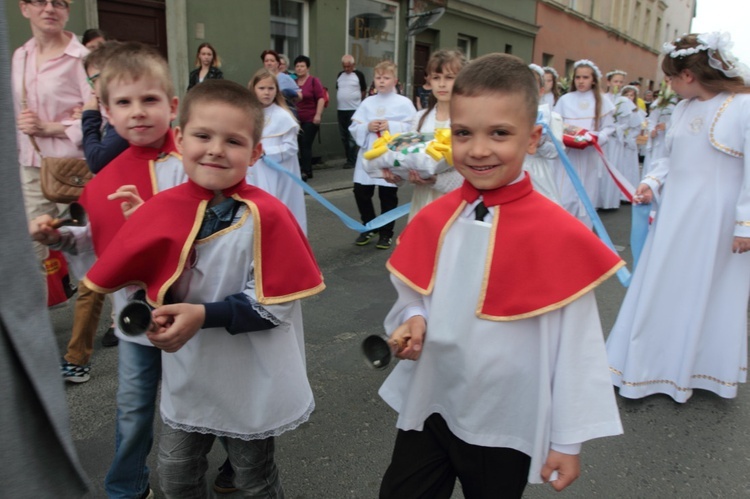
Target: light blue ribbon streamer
639 230
623 274
351 223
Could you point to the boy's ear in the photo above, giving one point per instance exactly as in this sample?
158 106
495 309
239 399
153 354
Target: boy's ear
178 138
173 108
536 134
257 153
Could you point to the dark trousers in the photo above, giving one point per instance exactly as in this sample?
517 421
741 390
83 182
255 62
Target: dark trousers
388 200
350 147
425 464
305 141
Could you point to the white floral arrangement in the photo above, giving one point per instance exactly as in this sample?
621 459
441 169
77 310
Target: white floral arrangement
586 62
551 70
616 72
538 70
715 42
425 153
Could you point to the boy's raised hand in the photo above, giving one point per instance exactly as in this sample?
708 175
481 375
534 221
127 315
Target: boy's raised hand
131 200
568 469
176 323
410 335
41 230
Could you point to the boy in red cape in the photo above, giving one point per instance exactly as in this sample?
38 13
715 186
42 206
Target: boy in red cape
235 264
506 373
137 92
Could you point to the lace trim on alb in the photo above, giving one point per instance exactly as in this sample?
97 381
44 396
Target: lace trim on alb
242 436
263 313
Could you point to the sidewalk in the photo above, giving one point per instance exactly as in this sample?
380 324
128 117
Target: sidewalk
331 176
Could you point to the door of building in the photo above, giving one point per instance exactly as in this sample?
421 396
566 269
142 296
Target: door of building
135 20
421 56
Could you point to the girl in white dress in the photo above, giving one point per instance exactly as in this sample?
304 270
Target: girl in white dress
540 164
629 120
609 193
441 70
279 144
585 108
683 324
551 92
659 118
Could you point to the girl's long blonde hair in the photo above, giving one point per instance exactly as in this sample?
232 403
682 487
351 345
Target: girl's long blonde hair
263 74
595 90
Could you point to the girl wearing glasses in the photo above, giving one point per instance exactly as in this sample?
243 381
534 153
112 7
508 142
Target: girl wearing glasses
49 87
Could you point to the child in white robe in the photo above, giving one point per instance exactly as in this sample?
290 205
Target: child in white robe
683 323
585 108
235 264
280 144
659 119
384 111
442 68
630 126
551 91
541 164
501 384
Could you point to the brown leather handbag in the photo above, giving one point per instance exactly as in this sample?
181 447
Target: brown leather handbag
62 179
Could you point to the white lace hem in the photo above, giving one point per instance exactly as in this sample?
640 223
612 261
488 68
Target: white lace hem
263 313
242 436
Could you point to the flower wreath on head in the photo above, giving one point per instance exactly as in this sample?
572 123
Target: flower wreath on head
550 69
615 72
716 42
538 70
628 88
586 62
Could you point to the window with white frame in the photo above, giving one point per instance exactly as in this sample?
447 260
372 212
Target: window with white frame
466 45
288 24
372 36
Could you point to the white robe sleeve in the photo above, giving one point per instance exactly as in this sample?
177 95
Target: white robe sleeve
283 147
277 314
583 400
742 212
358 127
408 304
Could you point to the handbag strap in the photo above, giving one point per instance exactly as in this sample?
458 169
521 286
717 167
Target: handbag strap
24 103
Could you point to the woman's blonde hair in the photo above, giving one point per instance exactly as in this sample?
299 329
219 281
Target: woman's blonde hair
215 62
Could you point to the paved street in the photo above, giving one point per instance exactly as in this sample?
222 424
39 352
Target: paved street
699 449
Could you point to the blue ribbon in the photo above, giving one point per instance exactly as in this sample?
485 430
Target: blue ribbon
639 230
351 223
623 274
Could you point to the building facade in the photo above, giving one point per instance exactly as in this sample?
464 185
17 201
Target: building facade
615 34
324 30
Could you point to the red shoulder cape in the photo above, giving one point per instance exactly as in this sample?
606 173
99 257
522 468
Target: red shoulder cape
134 166
539 259
152 247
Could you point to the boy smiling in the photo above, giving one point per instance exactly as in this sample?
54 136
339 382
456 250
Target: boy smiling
497 313
235 264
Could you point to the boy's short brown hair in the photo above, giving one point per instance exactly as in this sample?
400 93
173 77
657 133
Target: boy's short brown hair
227 92
97 58
499 73
386 67
132 61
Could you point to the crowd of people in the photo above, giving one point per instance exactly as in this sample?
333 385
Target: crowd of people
203 218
